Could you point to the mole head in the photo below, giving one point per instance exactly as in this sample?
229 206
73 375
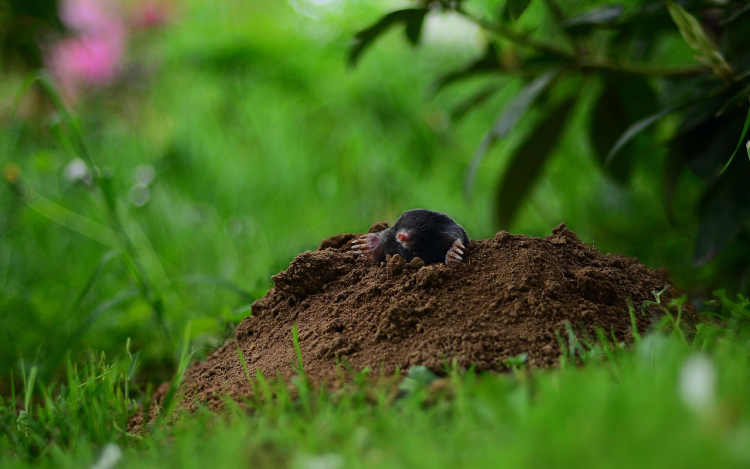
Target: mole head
406 237
413 226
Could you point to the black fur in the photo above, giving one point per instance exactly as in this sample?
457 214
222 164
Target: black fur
434 234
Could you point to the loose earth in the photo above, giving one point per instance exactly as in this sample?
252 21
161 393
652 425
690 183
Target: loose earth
511 295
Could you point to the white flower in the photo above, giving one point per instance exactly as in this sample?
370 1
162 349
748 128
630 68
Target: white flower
698 383
321 461
109 457
144 174
139 195
77 171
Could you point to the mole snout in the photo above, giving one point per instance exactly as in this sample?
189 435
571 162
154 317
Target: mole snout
405 238
432 236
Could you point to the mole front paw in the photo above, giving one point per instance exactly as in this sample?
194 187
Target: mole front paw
455 253
368 245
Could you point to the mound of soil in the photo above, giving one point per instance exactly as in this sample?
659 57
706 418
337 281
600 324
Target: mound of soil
509 296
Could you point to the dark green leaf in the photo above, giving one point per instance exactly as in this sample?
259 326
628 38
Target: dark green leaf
725 212
703 108
706 142
474 100
735 15
696 38
624 100
635 129
414 24
489 62
636 94
742 140
647 23
672 171
608 121
680 90
515 8
596 17
411 17
507 119
527 163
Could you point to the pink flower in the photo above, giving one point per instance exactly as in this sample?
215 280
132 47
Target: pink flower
88 16
92 55
150 14
90 60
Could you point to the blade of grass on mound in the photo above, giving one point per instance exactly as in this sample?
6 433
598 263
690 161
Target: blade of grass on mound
241 356
169 403
301 381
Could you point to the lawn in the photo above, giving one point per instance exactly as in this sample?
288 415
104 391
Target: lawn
236 137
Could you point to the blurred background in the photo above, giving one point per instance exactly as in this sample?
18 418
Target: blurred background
209 143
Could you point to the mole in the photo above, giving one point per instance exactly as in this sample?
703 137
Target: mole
432 236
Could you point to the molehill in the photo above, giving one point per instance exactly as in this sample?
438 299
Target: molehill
509 296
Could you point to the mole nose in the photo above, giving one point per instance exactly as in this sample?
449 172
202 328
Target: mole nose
404 237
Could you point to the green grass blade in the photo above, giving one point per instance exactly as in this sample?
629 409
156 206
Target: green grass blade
298 351
71 220
169 402
84 326
739 144
244 364
29 388
222 282
105 259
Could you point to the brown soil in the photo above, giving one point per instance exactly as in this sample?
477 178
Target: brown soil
509 296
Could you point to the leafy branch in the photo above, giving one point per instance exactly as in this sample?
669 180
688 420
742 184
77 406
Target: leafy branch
634 93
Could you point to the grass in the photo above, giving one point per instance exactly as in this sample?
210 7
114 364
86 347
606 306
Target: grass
260 144
626 406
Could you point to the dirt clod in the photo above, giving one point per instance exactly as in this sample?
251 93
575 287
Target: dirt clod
511 295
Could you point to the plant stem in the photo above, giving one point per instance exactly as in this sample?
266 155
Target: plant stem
514 36
585 63
74 133
638 69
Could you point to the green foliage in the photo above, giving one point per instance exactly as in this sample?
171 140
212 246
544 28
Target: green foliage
88 409
412 19
526 163
23 27
737 312
622 58
262 144
696 38
247 173
515 8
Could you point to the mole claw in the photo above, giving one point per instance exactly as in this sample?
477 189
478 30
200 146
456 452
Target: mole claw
455 253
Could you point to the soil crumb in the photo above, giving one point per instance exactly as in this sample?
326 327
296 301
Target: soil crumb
511 295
